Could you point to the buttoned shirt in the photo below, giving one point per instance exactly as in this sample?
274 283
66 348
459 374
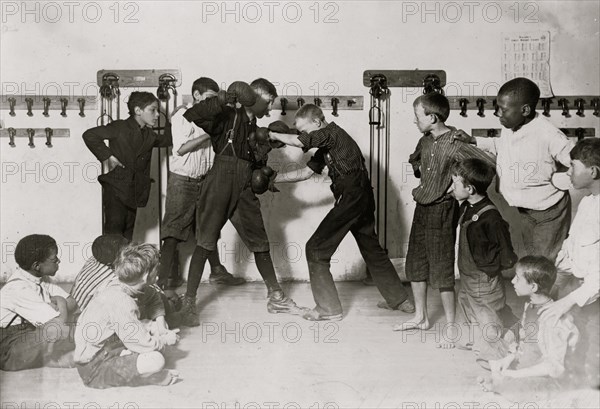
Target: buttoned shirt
27 297
193 164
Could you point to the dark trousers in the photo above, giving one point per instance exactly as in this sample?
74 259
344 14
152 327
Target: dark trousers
118 218
353 212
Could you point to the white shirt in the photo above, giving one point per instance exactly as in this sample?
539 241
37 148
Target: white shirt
192 164
526 160
29 297
580 252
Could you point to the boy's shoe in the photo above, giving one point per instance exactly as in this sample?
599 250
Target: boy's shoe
407 306
220 275
279 303
314 315
368 280
189 314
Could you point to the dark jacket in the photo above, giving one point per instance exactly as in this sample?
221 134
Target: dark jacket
132 145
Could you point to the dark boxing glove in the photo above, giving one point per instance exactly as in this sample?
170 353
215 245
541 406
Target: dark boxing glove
279 127
241 92
259 183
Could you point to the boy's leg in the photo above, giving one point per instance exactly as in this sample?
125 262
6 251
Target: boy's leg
417 271
218 272
118 218
378 263
189 313
247 220
168 273
545 230
345 214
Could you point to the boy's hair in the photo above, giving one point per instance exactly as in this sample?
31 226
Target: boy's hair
264 86
475 172
539 270
140 99
310 111
106 247
587 151
525 91
434 103
204 84
134 261
34 248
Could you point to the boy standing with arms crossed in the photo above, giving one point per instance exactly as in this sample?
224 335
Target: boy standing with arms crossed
353 212
430 256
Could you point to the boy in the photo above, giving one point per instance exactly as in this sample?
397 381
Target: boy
35 314
529 151
226 194
112 346
578 261
188 164
126 186
430 256
353 212
484 250
534 367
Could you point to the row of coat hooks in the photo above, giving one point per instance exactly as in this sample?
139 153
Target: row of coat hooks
564 103
576 133
46 104
32 133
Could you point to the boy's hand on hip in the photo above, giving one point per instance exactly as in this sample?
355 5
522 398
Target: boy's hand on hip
462 136
111 163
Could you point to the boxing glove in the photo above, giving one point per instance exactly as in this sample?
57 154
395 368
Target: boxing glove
262 135
279 127
241 92
267 171
259 182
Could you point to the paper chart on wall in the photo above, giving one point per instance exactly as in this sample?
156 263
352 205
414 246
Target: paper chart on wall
528 55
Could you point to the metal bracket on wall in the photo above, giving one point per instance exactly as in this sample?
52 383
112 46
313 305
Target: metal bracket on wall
404 78
139 78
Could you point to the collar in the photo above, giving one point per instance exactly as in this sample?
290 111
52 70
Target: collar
445 134
133 123
528 124
479 205
21 274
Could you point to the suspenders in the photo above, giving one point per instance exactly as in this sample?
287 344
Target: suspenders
476 216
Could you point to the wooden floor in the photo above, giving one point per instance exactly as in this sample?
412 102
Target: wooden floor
243 357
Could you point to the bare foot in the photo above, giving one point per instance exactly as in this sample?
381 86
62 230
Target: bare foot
414 323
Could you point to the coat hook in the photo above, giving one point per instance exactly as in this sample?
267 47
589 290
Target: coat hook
12 102
579 103
46 106
30 134
29 102
491 133
334 104
12 132
49 133
351 102
564 104
546 106
480 108
595 102
63 106
463 106
496 107
81 102
318 101
580 133
283 105
300 102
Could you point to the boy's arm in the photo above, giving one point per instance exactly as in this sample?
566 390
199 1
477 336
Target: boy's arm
470 151
560 147
415 158
499 233
182 130
288 139
204 111
165 138
132 332
295 175
94 140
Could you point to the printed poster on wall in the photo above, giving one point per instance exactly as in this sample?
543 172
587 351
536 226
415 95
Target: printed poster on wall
528 55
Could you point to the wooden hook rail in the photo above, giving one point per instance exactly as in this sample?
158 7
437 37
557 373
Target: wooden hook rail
35 103
138 78
576 133
34 134
582 105
404 78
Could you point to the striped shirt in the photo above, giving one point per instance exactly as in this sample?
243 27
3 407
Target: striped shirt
341 153
95 276
112 311
435 160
